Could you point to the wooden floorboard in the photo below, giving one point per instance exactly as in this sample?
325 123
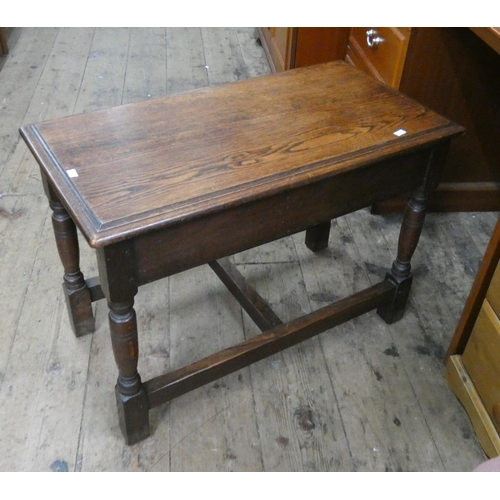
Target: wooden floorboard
364 397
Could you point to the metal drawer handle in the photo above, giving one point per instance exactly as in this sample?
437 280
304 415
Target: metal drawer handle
372 39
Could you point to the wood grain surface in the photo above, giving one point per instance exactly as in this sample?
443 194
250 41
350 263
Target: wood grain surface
154 163
372 397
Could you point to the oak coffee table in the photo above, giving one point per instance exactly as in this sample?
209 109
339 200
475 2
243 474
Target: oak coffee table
168 184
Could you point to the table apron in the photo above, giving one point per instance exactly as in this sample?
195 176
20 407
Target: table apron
231 230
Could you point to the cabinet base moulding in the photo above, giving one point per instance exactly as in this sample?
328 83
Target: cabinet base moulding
463 387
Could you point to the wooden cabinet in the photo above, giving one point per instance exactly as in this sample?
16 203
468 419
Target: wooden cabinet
380 52
279 44
453 71
473 360
288 48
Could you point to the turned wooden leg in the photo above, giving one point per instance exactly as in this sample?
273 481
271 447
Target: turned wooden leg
131 399
317 236
117 272
400 273
409 235
77 294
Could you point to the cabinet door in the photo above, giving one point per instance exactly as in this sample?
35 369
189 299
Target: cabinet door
280 44
320 45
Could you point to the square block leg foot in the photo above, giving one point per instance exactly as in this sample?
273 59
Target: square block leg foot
133 414
317 236
79 305
394 310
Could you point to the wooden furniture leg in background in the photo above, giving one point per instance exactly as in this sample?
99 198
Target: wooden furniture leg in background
77 294
400 274
4 48
317 236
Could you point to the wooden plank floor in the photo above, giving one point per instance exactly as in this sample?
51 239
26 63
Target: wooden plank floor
362 397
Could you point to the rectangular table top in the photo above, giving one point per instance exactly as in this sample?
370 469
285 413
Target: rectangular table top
135 168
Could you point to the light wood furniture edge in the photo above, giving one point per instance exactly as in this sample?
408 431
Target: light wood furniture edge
476 295
456 373
261 39
271 52
491 36
463 387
